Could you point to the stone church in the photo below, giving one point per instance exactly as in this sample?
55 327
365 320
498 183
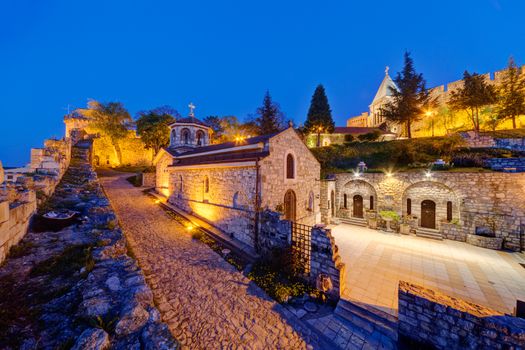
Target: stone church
227 184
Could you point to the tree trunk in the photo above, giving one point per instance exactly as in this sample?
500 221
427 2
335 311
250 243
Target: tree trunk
318 139
409 132
514 122
118 151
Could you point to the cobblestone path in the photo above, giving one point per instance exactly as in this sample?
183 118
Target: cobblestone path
206 302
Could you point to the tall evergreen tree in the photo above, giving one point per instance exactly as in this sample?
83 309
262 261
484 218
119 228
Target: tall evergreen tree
319 118
472 97
269 118
511 94
409 100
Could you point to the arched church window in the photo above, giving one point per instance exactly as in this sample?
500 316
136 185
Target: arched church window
185 136
449 211
200 138
206 185
236 200
290 166
371 202
345 201
180 183
409 206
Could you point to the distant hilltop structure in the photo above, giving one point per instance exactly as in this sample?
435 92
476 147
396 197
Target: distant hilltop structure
374 118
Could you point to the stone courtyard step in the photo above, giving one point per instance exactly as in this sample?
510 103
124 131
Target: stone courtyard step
370 322
429 233
353 221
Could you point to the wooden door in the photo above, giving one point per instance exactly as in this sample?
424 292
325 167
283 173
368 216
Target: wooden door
289 205
358 206
428 214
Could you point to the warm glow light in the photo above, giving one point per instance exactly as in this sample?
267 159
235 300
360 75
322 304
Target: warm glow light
189 227
428 113
428 174
389 174
157 201
357 174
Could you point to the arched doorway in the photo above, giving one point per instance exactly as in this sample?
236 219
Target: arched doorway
289 205
428 214
358 206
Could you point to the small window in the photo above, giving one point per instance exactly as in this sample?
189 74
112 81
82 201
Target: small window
200 138
449 211
371 202
290 167
185 135
206 185
345 201
236 200
180 184
311 201
409 206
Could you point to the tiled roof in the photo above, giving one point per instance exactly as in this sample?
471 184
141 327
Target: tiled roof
190 120
220 146
240 156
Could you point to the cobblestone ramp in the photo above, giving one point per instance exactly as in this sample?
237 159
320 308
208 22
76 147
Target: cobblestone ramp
77 288
206 302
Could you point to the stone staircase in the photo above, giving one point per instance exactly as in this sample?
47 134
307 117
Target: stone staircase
429 233
354 221
371 323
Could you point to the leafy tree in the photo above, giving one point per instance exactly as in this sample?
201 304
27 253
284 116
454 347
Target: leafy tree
319 118
153 127
227 128
214 122
409 100
110 119
472 97
511 93
269 118
369 136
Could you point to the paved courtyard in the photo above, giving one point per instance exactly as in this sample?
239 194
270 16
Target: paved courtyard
206 302
376 261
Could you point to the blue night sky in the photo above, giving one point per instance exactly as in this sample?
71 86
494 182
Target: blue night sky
223 55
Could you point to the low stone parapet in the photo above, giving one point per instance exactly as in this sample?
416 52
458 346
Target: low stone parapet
432 319
326 262
453 232
485 242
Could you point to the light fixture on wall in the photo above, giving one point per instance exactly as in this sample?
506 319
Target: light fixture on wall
428 174
389 174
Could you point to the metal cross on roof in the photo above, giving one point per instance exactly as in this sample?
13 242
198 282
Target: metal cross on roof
192 107
387 68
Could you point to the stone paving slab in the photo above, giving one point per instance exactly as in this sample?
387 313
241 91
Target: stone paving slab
205 301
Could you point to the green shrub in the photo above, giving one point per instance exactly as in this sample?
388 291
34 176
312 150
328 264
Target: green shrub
389 214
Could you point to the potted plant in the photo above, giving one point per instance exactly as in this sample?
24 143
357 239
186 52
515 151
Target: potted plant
404 226
389 216
371 219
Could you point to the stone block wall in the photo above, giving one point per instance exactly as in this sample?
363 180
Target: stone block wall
432 319
327 186
229 203
517 144
148 179
453 232
274 183
325 261
274 233
513 165
14 221
490 199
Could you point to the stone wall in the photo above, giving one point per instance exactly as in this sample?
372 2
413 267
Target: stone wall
14 221
517 144
148 179
327 187
229 202
512 165
490 200
132 148
274 234
18 201
326 262
305 184
432 319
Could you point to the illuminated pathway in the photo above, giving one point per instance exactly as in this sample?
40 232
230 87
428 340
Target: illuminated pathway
206 302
